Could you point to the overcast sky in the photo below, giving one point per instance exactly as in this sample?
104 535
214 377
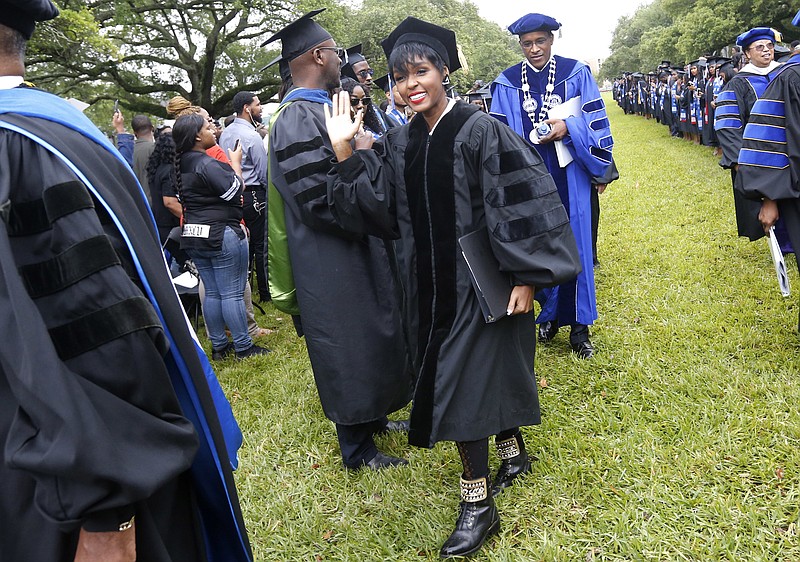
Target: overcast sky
587 25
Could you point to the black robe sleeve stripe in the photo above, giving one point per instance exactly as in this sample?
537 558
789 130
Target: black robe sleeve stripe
519 192
102 326
33 217
70 266
298 148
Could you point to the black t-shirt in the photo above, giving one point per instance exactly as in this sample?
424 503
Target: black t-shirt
163 185
212 199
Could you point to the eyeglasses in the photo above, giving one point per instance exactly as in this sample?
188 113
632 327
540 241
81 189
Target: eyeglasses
541 42
366 72
340 52
763 47
366 100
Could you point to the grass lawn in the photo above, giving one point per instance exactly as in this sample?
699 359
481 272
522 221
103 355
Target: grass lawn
677 441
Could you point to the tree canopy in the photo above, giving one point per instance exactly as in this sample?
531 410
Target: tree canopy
683 30
143 52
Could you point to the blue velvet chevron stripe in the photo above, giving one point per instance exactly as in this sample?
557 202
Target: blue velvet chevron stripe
601 154
728 96
769 108
763 159
592 106
766 131
727 112
597 120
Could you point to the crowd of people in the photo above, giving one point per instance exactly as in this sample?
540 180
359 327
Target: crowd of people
357 220
710 101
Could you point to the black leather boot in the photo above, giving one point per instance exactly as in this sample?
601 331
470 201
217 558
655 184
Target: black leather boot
514 462
477 520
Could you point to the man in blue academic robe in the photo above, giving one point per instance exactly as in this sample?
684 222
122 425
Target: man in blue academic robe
576 149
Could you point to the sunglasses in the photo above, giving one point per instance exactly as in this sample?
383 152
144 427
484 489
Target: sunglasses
366 72
365 100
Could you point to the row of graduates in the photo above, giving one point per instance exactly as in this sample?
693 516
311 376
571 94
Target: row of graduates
679 99
711 103
683 98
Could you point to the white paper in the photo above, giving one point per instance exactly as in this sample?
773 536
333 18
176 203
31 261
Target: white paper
80 105
186 279
780 264
570 108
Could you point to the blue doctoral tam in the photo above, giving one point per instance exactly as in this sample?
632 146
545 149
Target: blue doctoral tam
533 22
757 34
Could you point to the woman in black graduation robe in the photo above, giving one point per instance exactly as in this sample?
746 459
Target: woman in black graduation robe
453 171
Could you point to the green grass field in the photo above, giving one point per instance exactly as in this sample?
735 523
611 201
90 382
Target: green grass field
677 441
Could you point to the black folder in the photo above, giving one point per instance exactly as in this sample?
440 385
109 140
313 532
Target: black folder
492 286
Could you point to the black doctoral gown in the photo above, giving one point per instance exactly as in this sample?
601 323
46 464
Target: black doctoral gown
345 290
734 103
91 428
769 162
474 379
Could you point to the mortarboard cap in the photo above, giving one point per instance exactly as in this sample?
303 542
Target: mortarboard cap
699 63
482 93
300 36
782 53
382 82
440 39
716 60
664 63
353 56
533 22
22 15
758 34
725 64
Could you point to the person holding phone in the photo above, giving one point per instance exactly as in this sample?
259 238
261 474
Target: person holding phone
254 171
211 194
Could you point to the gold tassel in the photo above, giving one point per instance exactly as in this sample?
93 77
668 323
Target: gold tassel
462 59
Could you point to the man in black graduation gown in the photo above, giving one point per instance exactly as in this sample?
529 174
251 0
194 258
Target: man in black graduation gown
112 446
345 293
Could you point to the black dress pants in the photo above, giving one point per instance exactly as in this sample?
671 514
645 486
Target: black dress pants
255 217
357 443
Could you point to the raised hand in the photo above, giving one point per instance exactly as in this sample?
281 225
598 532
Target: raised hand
341 128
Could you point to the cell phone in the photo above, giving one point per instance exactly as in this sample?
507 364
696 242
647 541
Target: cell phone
116 107
236 145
